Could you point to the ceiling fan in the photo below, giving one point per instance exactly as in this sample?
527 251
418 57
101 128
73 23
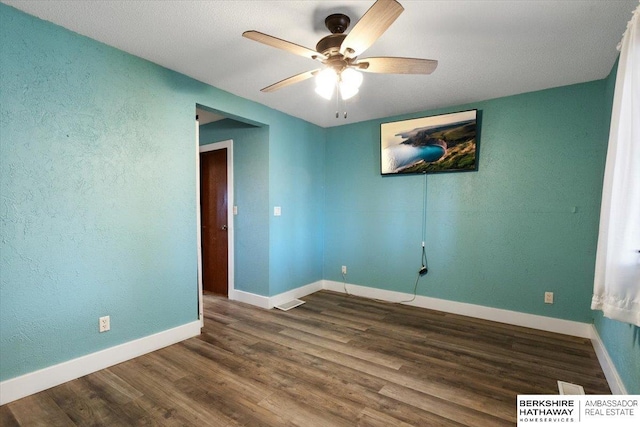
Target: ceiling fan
339 52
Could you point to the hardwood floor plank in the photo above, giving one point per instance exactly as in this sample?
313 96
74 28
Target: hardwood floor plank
89 404
372 418
168 397
228 401
218 376
39 410
6 417
300 414
458 413
308 312
370 356
390 374
343 383
159 414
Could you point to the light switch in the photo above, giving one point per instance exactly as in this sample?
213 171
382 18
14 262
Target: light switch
277 211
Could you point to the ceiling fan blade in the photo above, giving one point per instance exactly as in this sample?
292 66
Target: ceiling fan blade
394 65
290 80
370 27
283 44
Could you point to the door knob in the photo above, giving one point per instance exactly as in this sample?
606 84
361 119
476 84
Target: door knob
224 227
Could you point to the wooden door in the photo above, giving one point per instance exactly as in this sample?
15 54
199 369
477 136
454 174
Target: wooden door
213 205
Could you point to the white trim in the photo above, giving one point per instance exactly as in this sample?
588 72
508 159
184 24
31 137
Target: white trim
610 372
228 144
34 382
198 231
270 302
516 318
534 321
249 298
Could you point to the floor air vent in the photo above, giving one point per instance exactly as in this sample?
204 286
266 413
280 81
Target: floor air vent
568 388
289 305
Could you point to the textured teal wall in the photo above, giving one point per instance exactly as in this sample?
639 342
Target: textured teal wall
621 340
95 217
296 175
97 168
251 195
499 237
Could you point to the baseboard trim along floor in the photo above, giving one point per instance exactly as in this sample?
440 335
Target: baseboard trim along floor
34 382
43 379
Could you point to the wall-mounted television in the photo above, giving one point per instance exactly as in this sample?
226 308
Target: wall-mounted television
434 144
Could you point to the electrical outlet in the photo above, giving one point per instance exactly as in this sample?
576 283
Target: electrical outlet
548 297
344 269
105 323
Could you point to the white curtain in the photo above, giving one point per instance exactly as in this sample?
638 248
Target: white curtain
617 272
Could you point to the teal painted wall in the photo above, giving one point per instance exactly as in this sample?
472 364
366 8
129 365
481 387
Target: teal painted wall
97 168
296 176
251 195
621 340
95 220
499 237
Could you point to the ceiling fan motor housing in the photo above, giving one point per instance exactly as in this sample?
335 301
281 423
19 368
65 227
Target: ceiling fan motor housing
337 23
330 45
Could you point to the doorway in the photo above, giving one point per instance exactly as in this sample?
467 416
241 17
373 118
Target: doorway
215 202
213 217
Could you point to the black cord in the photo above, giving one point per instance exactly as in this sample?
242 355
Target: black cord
424 269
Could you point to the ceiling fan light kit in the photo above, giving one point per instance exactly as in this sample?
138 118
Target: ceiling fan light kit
339 52
326 83
348 83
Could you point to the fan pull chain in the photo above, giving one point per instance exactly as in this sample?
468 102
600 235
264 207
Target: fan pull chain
344 104
337 102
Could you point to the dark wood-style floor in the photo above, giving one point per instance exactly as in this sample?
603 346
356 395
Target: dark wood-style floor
335 361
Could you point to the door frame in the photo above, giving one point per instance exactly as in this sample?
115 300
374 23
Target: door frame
228 144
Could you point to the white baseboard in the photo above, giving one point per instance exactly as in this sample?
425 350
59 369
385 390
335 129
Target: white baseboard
34 382
249 298
270 302
534 321
516 318
610 372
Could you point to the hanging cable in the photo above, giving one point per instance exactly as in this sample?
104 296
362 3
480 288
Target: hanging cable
424 269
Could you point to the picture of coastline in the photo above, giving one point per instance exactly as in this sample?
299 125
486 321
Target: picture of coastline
444 143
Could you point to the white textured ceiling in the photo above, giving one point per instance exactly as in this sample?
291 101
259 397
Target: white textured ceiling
485 49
